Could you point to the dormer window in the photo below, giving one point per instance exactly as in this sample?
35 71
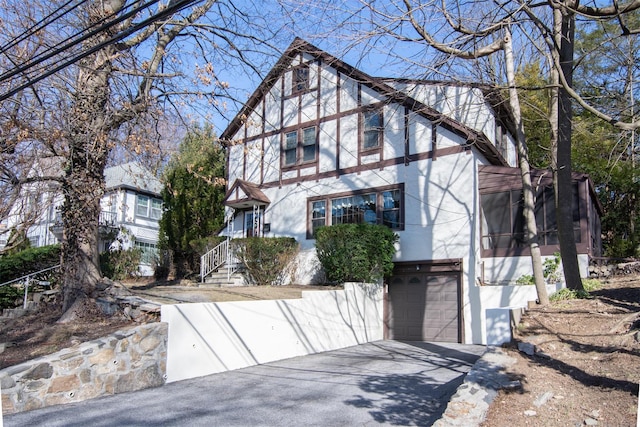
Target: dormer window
300 81
372 130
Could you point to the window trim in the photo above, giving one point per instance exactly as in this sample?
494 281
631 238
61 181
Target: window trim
523 249
149 207
378 191
299 148
377 111
298 85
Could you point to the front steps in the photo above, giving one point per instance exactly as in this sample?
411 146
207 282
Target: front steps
222 279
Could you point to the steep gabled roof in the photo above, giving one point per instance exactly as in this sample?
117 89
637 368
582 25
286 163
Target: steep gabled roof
244 194
299 46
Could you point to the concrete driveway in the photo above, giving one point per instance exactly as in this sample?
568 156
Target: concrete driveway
380 383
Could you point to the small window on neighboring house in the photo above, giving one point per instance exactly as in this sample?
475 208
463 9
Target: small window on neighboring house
299 147
142 206
148 207
156 209
149 254
372 129
300 79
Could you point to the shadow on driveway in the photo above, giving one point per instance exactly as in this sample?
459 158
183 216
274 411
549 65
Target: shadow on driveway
380 383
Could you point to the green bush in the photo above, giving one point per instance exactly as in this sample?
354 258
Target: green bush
28 261
9 295
267 259
356 252
120 264
567 294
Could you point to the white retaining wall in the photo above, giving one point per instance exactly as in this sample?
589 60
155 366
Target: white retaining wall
205 338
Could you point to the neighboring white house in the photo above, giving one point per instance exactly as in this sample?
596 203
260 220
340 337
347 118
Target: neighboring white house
131 210
322 143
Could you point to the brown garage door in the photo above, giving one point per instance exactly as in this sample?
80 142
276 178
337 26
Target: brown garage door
423 302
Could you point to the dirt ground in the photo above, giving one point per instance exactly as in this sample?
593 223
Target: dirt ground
586 366
585 371
38 334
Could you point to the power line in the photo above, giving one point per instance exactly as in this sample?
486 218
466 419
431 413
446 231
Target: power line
49 19
174 7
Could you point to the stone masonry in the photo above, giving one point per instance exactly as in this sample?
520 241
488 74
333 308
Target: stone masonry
128 360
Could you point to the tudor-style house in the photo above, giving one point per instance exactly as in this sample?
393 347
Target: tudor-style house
130 215
321 143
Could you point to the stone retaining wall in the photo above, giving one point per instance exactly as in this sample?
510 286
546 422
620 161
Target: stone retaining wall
128 360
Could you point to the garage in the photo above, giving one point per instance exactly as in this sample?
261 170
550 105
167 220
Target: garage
423 301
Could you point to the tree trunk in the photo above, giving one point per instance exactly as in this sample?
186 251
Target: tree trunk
562 172
525 170
84 181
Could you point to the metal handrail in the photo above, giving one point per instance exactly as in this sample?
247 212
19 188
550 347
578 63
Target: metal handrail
28 279
216 258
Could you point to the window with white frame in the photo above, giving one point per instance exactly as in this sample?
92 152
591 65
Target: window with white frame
148 207
375 206
299 147
149 254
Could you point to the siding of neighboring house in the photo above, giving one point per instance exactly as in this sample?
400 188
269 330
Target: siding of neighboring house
126 185
321 143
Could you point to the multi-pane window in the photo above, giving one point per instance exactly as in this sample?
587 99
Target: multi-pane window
148 253
373 207
503 221
299 147
372 129
300 81
148 207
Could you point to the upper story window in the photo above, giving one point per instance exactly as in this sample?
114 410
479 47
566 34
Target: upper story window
299 147
372 129
148 207
375 206
300 82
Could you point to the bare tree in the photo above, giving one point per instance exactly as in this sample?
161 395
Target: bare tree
118 67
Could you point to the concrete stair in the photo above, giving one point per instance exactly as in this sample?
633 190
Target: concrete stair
222 279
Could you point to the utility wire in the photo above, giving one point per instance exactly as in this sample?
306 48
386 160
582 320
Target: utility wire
45 56
41 25
174 7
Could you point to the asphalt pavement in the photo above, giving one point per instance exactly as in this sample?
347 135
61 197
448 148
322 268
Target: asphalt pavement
379 383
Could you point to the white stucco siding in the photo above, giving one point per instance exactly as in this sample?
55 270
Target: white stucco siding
446 138
253 157
271 168
236 161
349 141
273 104
370 96
348 93
419 134
328 139
393 131
309 106
290 116
328 91
439 212
512 153
253 124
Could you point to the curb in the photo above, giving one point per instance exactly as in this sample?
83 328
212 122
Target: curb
469 405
